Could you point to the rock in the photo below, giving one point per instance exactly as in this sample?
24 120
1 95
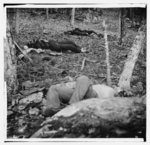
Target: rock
140 86
34 111
27 85
21 107
114 117
22 129
21 121
31 91
36 97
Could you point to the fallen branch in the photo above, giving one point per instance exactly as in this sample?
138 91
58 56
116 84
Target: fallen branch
125 78
84 61
23 52
93 61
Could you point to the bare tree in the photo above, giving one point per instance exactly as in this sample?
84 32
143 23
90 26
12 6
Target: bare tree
47 13
107 54
10 74
126 75
121 25
72 16
17 17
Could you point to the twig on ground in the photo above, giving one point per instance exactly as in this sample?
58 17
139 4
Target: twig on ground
94 61
83 63
102 80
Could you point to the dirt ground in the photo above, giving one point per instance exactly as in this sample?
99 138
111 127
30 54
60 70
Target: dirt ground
69 63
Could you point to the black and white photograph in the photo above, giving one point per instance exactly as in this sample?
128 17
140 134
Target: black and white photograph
75 71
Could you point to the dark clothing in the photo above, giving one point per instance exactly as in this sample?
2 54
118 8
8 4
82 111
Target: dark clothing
55 46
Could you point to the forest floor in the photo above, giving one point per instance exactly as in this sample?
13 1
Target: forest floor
24 120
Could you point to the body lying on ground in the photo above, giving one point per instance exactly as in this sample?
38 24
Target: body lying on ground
80 32
73 92
62 46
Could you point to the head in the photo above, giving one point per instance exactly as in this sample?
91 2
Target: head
25 47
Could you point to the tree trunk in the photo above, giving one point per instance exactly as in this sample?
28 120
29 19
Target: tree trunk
107 54
131 13
47 13
17 21
124 82
121 26
10 74
72 16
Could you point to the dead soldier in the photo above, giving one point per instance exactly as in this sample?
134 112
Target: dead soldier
72 92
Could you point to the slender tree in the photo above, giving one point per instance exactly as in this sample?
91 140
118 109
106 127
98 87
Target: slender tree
121 25
107 54
72 16
47 13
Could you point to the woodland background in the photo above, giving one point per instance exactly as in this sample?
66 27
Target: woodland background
33 80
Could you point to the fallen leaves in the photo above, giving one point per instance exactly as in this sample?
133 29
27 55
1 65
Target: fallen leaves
52 68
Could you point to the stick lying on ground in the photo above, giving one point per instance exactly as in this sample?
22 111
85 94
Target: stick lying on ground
25 54
83 63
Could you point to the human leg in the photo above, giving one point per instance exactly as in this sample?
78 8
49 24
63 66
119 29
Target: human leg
55 96
82 85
